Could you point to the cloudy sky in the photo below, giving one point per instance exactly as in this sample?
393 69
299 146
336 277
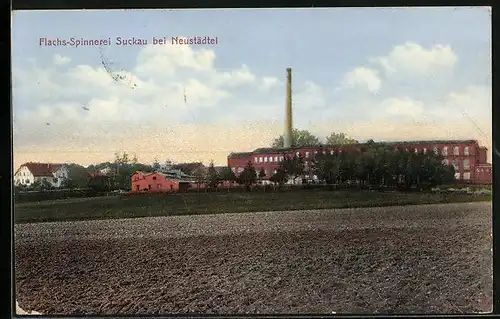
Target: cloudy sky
386 74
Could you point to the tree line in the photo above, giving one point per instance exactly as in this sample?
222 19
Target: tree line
376 165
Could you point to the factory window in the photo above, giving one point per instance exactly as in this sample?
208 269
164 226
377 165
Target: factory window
265 159
445 150
260 159
466 151
307 154
466 164
256 159
276 159
425 150
466 175
456 150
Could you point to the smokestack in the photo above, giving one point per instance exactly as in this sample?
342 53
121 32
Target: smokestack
288 119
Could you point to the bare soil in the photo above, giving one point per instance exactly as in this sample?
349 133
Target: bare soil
439 261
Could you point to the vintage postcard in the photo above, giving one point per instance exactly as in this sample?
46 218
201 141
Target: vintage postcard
270 161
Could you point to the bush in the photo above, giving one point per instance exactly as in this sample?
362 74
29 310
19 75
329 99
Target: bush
38 196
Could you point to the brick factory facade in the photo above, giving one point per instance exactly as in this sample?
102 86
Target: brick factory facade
468 158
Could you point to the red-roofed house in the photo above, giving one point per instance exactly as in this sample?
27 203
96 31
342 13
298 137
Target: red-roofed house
28 173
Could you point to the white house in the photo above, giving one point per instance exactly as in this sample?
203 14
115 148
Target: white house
28 173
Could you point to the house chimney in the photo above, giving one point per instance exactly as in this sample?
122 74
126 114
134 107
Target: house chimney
288 117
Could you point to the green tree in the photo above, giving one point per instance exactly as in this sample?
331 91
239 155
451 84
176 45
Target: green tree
262 174
339 139
327 167
212 177
199 175
279 177
156 165
248 177
299 138
78 176
226 174
293 166
99 183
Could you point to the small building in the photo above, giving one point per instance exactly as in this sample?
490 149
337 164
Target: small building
158 182
52 174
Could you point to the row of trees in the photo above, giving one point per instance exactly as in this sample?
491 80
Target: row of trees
378 165
306 138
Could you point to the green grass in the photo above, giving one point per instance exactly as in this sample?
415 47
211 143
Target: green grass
216 203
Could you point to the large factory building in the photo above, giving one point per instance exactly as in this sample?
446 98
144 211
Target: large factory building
468 158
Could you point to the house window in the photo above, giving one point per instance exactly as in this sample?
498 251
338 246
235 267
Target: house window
436 150
466 164
233 169
315 152
425 150
446 162
275 171
416 151
466 151
281 158
265 159
331 152
307 154
456 150
255 159
457 175
467 175
240 169
445 150
455 164
260 159
298 154
276 159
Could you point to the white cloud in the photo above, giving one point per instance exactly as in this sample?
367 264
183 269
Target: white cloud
61 60
269 82
309 97
402 107
364 77
234 109
412 58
